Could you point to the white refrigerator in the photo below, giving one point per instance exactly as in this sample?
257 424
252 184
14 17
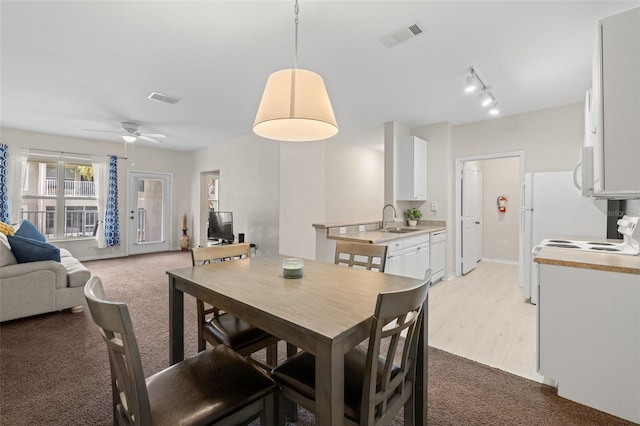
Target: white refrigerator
552 207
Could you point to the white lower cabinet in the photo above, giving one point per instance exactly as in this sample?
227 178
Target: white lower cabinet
408 256
394 264
589 337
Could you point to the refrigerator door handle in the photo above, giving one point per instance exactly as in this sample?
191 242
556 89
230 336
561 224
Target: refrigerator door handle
522 194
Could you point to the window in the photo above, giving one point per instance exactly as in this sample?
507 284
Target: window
59 198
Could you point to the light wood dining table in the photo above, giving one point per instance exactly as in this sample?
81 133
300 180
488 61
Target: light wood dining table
326 312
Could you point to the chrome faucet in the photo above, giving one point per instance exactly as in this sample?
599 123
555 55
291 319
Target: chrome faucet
384 222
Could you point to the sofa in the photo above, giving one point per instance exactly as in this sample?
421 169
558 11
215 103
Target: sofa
38 287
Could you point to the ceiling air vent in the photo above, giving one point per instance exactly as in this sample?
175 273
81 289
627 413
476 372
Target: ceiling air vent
162 98
401 35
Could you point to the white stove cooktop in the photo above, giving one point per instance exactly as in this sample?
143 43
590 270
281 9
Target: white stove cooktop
628 226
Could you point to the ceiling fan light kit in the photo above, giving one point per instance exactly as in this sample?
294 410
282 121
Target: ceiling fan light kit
295 105
487 99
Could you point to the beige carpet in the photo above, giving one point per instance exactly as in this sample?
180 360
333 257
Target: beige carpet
54 368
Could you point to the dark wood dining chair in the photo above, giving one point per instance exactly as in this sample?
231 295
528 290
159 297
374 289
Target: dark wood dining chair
217 386
361 255
218 327
375 387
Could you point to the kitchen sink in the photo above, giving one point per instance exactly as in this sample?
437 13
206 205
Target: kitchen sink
399 230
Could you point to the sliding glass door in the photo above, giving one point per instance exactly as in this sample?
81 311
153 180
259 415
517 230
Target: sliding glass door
148 212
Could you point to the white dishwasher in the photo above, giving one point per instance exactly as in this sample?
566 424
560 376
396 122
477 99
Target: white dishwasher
437 252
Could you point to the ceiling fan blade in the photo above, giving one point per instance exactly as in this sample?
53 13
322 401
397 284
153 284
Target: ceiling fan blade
104 131
147 138
153 135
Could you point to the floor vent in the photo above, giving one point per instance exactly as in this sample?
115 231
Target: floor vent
395 38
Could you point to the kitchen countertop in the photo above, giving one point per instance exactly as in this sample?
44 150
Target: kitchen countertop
338 224
589 260
378 236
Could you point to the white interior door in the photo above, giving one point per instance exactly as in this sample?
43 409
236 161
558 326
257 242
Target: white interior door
470 218
148 212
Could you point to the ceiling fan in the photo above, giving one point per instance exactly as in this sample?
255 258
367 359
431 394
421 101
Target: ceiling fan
129 132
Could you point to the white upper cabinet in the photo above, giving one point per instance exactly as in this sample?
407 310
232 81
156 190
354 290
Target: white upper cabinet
617 97
411 169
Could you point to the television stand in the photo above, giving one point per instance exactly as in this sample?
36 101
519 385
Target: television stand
213 242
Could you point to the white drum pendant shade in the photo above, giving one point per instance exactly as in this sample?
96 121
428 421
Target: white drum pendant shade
295 106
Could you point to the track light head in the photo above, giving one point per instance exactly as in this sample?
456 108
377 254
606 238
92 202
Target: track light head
472 83
486 98
494 109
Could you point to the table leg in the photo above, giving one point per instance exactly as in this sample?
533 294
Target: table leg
421 368
176 323
329 384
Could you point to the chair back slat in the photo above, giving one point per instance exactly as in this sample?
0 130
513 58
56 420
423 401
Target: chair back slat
131 400
386 391
361 255
201 255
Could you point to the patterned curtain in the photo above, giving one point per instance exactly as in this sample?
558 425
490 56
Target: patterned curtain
112 218
4 189
101 181
16 176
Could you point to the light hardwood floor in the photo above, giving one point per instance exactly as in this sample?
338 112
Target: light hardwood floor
483 316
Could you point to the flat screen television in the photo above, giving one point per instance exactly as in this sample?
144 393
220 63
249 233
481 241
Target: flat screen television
221 226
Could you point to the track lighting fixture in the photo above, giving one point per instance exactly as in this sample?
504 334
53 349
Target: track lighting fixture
487 99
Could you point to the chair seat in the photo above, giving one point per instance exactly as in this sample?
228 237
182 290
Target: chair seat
205 388
299 373
233 332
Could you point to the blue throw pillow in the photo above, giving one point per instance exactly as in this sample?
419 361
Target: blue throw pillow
27 250
28 230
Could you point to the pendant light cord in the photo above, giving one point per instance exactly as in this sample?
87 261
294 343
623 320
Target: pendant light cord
295 54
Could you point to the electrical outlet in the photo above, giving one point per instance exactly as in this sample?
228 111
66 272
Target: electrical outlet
361 228
434 206
505 243
343 229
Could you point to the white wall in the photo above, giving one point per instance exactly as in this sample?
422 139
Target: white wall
323 182
354 182
500 177
249 187
302 196
551 138
140 158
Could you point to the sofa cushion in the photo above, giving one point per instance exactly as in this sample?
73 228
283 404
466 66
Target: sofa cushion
28 230
27 250
6 255
77 273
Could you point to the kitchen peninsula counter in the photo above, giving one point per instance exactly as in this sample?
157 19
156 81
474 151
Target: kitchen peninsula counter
368 232
589 260
372 233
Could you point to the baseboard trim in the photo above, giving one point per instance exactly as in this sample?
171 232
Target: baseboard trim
496 260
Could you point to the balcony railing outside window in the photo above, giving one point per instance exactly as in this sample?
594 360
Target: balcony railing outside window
78 223
72 188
